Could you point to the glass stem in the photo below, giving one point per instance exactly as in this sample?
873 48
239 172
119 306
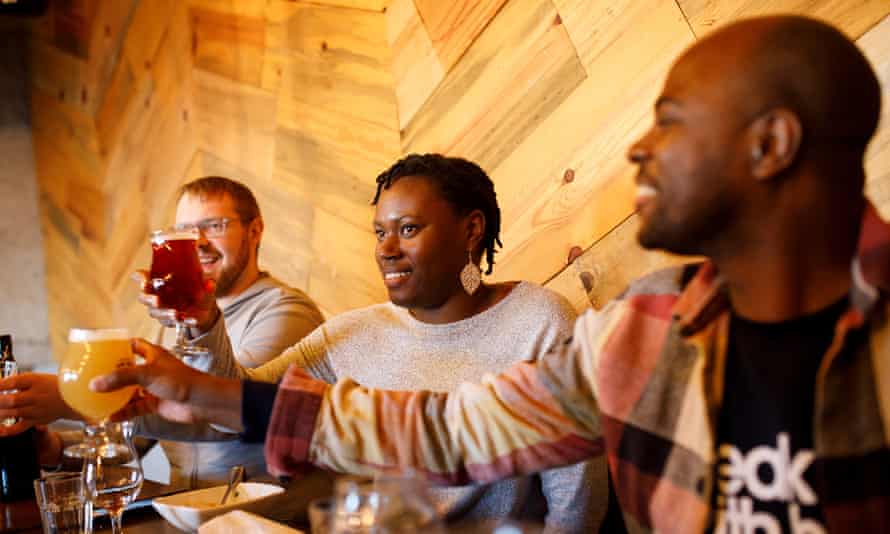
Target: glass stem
180 334
116 521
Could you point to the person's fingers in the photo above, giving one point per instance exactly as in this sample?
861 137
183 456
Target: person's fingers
142 405
127 376
16 428
18 400
20 382
147 350
140 277
176 411
151 301
162 314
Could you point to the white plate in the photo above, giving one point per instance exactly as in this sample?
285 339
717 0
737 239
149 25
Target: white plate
186 511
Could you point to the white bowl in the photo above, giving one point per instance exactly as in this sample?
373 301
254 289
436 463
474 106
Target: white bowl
186 511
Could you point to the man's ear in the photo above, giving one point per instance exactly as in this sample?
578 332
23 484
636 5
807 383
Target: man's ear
255 229
776 137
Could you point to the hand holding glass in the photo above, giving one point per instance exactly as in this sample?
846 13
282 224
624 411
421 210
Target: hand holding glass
177 279
92 353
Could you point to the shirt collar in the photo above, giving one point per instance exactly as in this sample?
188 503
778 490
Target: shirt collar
705 295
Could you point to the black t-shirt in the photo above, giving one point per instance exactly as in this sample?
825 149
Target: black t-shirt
765 430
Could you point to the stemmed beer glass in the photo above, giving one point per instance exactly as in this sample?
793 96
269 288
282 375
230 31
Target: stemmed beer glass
177 279
111 467
112 482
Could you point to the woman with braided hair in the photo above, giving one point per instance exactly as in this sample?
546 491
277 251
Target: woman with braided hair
436 219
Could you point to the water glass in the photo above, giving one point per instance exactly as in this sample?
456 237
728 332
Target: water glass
383 506
63 504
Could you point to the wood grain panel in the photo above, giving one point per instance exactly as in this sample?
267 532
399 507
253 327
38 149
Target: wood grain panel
334 158
235 121
877 161
606 268
369 5
854 18
515 74
72 23
344 275
287 240
340 62
588 135
228 44
453 26
601 28
239 8
64 76
108 32
146 29
416 67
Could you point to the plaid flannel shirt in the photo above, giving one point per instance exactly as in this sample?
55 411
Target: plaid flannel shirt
642 381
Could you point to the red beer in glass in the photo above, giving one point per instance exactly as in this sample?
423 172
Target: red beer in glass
176 276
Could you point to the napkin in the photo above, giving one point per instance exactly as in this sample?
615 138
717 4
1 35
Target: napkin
239 522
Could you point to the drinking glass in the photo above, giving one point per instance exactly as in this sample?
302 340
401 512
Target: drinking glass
92 353
113 481
177 279
63 505
383 506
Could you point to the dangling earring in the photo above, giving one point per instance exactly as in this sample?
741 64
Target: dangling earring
471 275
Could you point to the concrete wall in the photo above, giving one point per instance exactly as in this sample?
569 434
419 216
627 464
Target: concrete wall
22 282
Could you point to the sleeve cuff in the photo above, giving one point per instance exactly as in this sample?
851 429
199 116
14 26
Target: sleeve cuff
292 425
257 401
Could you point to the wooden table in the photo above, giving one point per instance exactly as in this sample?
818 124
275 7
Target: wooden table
24 517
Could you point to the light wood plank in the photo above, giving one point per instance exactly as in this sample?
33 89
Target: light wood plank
368 5
229 45
606 268
239 8
514 76
877 161
108 32
335 158
72 24
344 275
147 28
340 62
64 76
603 27
416 67
544 217
854 18
235 121
454 25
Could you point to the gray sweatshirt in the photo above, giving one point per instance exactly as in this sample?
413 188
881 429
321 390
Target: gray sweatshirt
261 322
383 346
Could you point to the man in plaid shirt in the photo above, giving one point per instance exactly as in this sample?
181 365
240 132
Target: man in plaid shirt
747 393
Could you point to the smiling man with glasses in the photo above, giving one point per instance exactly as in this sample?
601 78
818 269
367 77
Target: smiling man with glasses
262 315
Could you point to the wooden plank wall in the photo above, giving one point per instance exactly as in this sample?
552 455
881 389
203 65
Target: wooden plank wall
548 94
306 101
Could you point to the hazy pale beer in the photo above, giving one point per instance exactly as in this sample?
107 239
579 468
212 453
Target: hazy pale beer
92 353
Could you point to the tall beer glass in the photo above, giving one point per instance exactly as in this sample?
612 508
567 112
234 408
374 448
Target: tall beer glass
177 279
92 353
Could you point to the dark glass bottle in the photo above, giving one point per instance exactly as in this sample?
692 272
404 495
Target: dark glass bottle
18 454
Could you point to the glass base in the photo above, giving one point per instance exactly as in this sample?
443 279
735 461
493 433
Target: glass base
189 355
87 450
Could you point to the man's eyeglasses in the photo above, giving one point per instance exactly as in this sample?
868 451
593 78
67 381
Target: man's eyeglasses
208 227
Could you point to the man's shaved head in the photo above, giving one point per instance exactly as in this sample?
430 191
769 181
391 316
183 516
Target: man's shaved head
760 118
808 67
